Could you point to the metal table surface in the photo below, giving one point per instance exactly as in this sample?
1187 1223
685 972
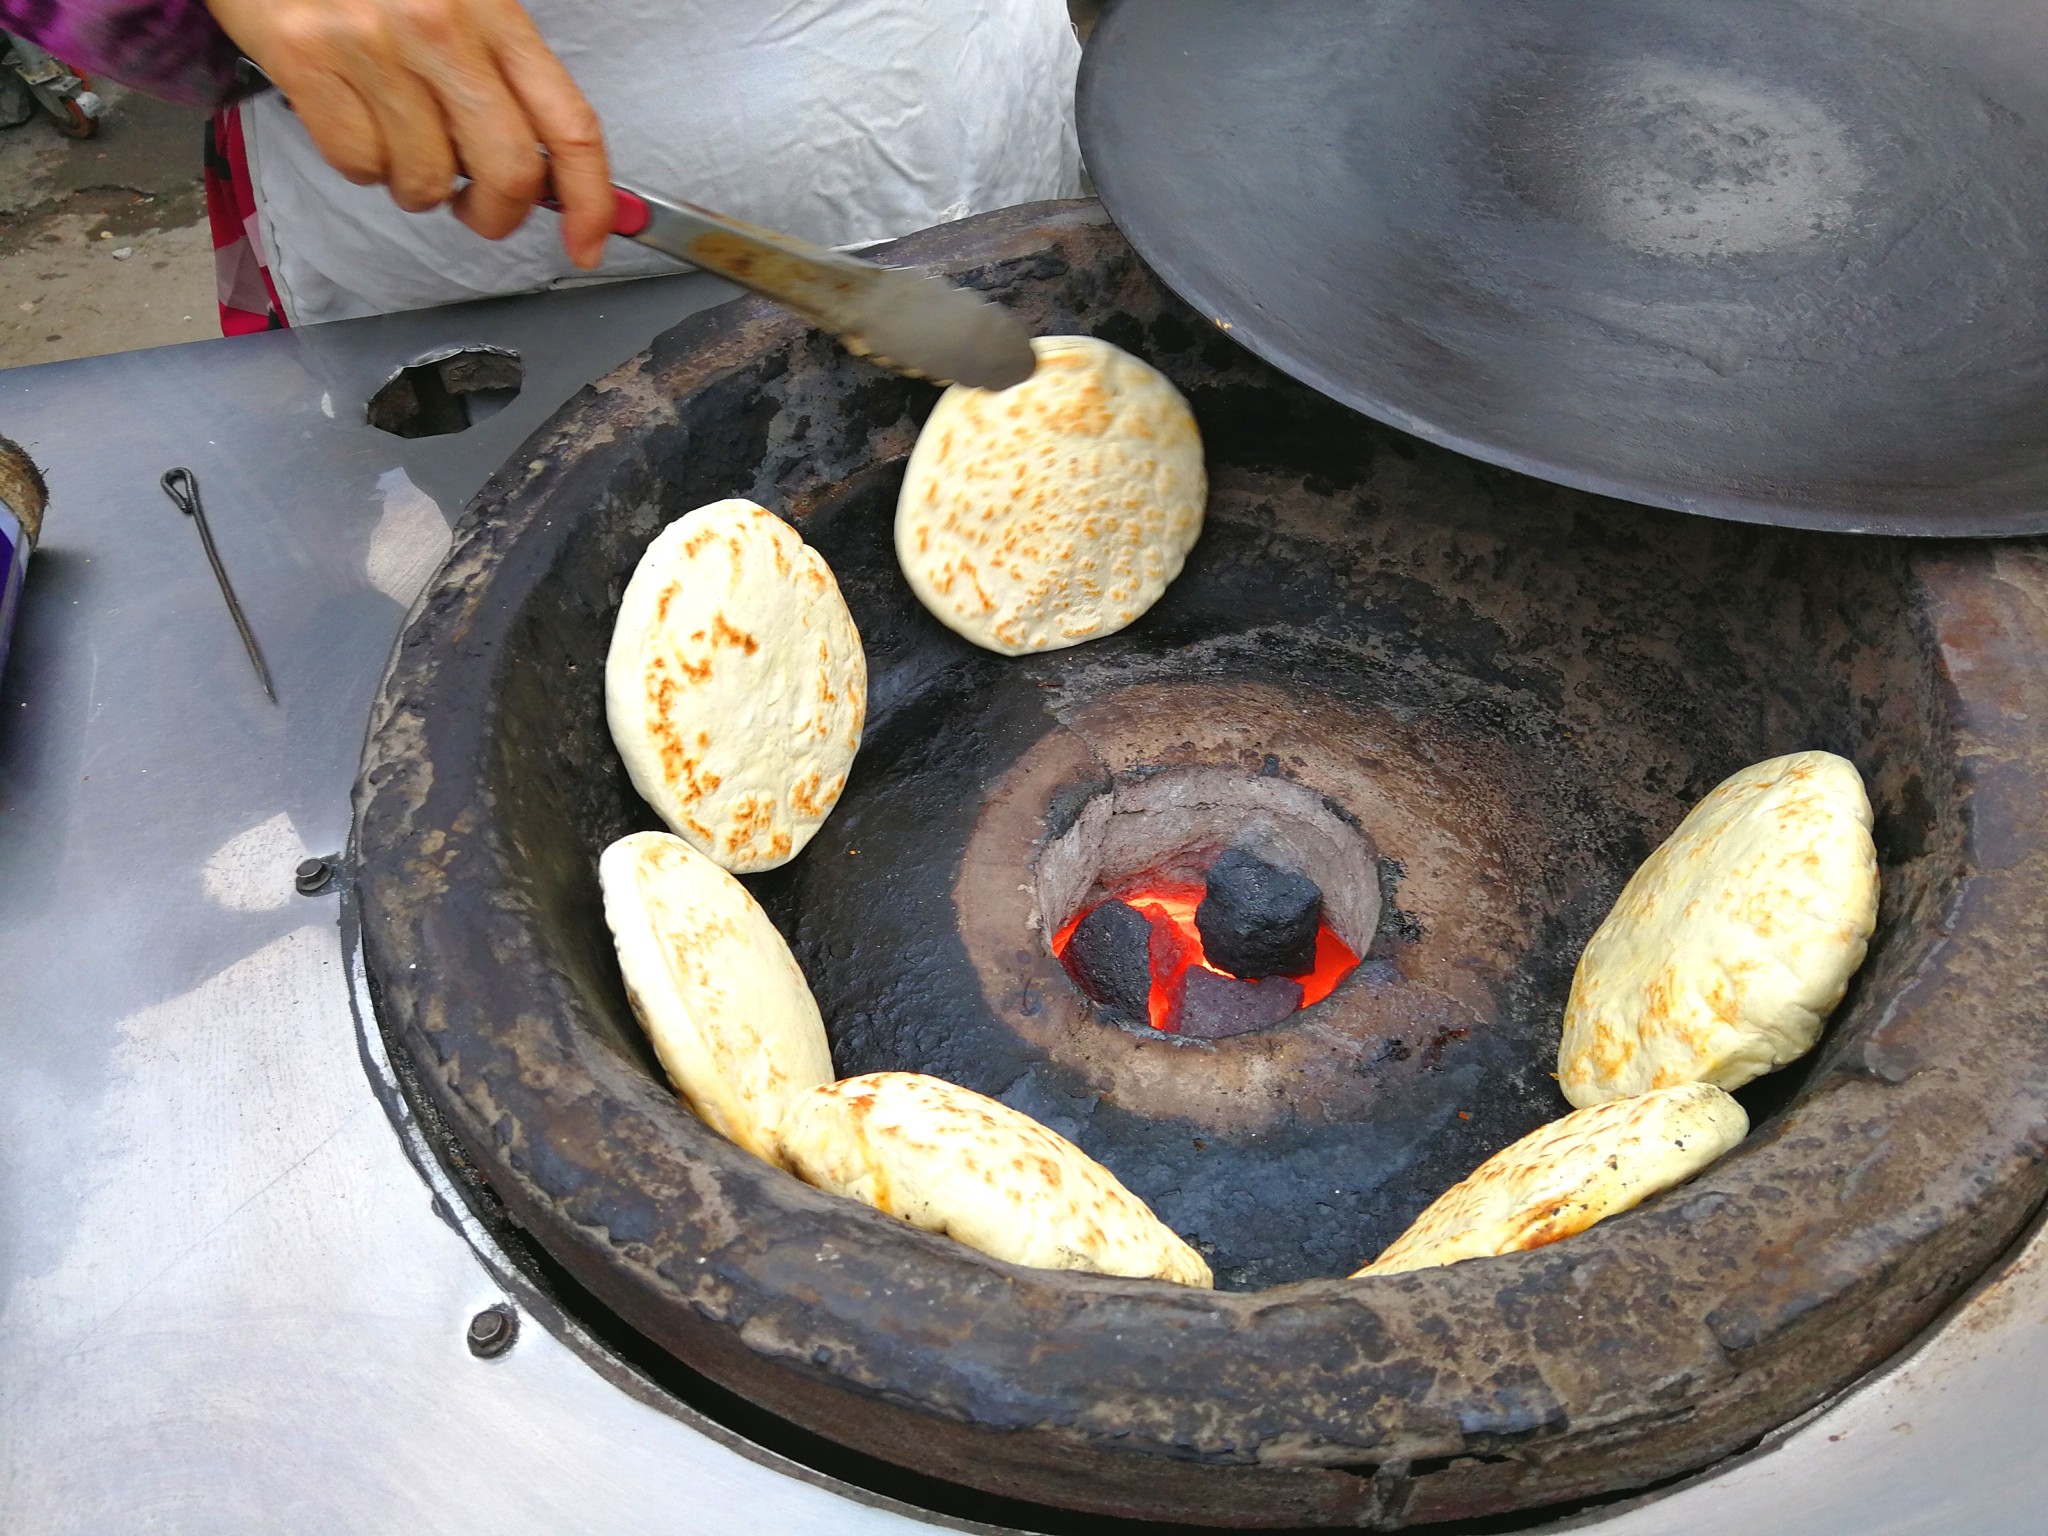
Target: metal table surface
228 1301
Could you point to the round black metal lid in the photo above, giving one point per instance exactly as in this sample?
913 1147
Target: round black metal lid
1776 261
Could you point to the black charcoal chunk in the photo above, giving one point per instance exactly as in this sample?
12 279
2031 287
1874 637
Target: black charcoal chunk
1216 1007
1110 958
1257 919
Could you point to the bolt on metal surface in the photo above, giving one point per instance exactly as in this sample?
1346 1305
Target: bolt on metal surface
492 1331
313 876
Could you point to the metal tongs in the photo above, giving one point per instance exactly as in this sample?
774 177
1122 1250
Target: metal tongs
913 322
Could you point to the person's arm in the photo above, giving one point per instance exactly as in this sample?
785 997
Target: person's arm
406 93
169 48
413 93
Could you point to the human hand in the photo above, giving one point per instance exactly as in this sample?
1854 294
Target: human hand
413 93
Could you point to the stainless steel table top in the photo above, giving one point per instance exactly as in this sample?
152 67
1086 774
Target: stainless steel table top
227 1301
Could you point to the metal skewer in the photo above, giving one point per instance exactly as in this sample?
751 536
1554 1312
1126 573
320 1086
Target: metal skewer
182 486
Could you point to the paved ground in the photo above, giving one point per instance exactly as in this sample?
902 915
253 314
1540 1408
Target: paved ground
69 209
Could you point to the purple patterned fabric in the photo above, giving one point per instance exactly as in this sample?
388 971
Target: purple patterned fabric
169 48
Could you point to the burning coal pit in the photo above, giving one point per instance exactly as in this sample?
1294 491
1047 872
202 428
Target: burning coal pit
1463 704
1198 942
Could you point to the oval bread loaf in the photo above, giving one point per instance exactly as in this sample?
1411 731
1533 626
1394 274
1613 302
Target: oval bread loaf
952 1161
1728 949
1569 1174
714 986
736 687
1056 511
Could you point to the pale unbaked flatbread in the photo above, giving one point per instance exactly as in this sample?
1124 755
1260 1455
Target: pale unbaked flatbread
736 687
1056 511
950 1160
714 986
1731 945
1573 1172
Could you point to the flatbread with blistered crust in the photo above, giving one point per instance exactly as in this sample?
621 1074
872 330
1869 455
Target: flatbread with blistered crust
1056 511
1573 1172
736 687
952 1161
1728 949
714 986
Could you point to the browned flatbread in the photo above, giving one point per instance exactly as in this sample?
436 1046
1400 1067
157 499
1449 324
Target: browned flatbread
714 986
1728 949
950 1160
1571 1173
1057 511
736 687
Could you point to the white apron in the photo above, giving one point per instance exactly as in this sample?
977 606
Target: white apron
843 122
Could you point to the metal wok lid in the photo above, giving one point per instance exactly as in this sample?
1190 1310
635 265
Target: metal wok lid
1767 260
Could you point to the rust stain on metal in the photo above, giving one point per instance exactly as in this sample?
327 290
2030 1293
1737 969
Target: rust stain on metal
790 275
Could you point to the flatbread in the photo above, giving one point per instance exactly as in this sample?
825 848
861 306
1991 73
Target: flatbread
736 687
714 986
1576 1171
1731 945
949 1160
1056 511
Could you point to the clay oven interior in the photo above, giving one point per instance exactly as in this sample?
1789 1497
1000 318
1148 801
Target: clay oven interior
1473 701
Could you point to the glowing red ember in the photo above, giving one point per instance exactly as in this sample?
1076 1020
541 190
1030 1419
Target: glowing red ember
1177 947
